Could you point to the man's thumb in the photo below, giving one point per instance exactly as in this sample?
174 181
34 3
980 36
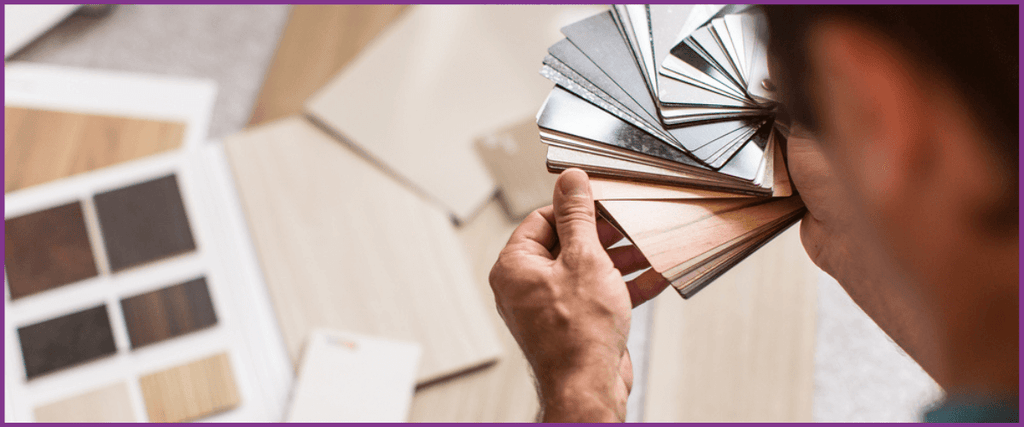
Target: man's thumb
575 217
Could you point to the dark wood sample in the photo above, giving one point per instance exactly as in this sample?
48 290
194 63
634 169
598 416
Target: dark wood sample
47 249
66 341
168 312
144 222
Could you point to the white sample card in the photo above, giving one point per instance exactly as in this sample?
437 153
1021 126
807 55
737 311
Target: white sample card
347 377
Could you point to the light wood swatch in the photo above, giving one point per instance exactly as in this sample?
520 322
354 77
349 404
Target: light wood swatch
191 391
41 146
503 392
613 189
107 404
743 348
676 234
438 77
346 247
317 43
515 157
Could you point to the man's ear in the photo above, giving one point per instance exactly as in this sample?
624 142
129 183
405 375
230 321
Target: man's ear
871 107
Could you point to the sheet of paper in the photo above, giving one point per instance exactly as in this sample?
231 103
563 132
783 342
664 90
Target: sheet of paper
348 377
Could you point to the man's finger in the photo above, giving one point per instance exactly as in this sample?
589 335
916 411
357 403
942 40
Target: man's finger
535 235
646 286
575 216
628 259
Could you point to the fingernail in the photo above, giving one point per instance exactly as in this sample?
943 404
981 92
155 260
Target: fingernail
573 182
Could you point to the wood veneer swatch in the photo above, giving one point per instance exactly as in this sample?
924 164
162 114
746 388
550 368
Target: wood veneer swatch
66 341
438 77
191 391
47 249
317 43
41 146
144 222
345 246
660 227
504 392
104 405
515 157
169 312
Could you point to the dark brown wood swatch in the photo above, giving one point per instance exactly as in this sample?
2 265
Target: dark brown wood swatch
144 222
47 249
168 312
66 341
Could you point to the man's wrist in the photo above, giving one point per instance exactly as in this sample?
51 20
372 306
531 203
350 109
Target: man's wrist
596 393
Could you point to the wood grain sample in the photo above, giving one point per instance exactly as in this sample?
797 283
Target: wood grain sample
741 350
66 341
675 235
437 78
504 392
47 249
515 158
191 391
41 146
169 312
105 405
344 246
144 222
317 43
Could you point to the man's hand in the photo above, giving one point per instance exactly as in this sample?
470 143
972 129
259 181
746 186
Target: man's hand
568 307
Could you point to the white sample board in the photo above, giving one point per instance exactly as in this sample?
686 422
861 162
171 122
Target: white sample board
348 377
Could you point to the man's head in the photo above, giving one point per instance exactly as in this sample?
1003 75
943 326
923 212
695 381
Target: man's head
917 108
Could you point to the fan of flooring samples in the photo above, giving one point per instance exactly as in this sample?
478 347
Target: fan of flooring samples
670 110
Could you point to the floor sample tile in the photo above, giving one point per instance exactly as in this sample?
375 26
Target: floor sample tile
66 341
47 249
345 246
144 222
168 312
41 146
191 391
107 404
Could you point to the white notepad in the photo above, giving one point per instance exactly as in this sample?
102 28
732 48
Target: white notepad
347 377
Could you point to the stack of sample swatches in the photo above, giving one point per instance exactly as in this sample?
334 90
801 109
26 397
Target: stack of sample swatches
677 123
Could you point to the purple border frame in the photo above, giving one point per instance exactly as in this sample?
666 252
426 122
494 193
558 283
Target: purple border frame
1020 93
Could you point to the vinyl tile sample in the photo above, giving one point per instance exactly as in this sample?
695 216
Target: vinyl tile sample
191 391
319 41
41 146
105 405
345 246
505 392
66 341
144 222
437 78
515 157
168 312
47 249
